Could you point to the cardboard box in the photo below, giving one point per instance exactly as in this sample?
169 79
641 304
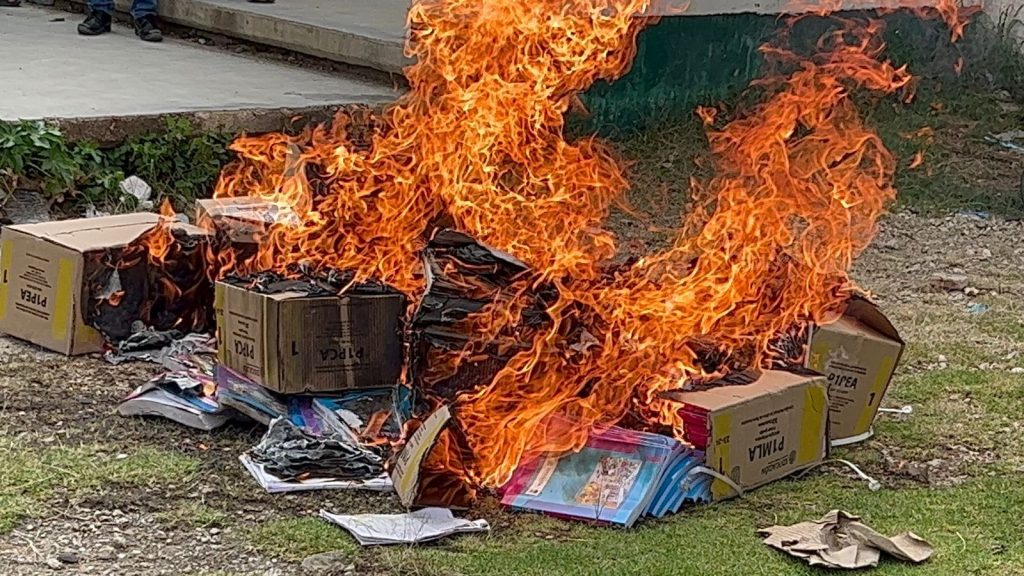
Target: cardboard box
242 219
42 271
858 354
763 431
294 344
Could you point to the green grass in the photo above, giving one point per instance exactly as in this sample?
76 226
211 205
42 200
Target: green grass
974 528
195 515
31 477
296 538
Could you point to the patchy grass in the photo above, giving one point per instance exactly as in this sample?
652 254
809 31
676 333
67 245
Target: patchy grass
296 538
30 478
720 539
193 514
961 170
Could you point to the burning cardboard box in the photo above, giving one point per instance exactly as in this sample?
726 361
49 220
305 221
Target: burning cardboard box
757 432
300 336
64 285
858 353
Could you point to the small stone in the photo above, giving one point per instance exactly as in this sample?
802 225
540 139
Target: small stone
68 557
971 291
54 564
327 563
942 358
214 531
1017 370
947 281
984 254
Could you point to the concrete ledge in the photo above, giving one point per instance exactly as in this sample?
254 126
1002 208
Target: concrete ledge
356 44
112 130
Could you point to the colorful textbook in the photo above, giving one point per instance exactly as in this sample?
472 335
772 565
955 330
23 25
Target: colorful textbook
619 476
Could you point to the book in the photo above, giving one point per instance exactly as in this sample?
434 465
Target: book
367 416
247 397
619 476
184 397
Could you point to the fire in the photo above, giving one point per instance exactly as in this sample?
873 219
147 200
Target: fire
476 144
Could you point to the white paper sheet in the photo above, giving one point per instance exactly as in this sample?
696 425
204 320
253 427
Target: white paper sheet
409 528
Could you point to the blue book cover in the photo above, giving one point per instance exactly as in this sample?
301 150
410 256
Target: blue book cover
612 480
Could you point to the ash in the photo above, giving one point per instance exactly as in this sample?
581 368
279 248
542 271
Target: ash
309 281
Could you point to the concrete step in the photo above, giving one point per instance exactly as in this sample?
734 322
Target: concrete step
371 33
111 86
368 33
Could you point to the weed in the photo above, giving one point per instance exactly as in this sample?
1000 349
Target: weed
181 163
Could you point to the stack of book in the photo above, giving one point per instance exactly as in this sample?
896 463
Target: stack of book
619 476
185 397
695 425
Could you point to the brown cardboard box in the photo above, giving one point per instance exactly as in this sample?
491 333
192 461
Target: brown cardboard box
41 277
762 431
242 218
293 343
858 353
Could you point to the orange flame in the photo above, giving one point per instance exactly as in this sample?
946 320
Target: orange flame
477 144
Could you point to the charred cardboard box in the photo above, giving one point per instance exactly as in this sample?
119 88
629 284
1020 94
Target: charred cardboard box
758 432
242 219
48 273
295 341
858 354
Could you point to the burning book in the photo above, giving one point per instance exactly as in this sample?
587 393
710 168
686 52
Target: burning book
310 333
71 285
368 416
463 278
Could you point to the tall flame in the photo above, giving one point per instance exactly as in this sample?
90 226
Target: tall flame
477 144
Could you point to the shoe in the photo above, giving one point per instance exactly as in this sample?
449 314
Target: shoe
145 28
96 23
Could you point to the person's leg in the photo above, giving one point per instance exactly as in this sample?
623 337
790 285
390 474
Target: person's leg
98 20
144 13
105 6
141 8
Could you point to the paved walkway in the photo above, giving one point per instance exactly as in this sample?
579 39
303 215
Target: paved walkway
369 33
48 71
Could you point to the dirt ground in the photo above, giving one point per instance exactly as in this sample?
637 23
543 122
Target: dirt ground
208 521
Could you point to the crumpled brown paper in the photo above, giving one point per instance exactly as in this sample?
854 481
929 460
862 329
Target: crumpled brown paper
840 540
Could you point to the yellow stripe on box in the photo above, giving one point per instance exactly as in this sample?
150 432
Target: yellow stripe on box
721 424
885 368
6 252
812 429
63 296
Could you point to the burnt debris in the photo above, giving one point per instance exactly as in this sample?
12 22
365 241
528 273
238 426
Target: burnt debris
463 278
169 290
308 281
289 452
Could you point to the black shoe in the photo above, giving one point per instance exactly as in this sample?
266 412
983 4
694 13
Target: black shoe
145 28
96 23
